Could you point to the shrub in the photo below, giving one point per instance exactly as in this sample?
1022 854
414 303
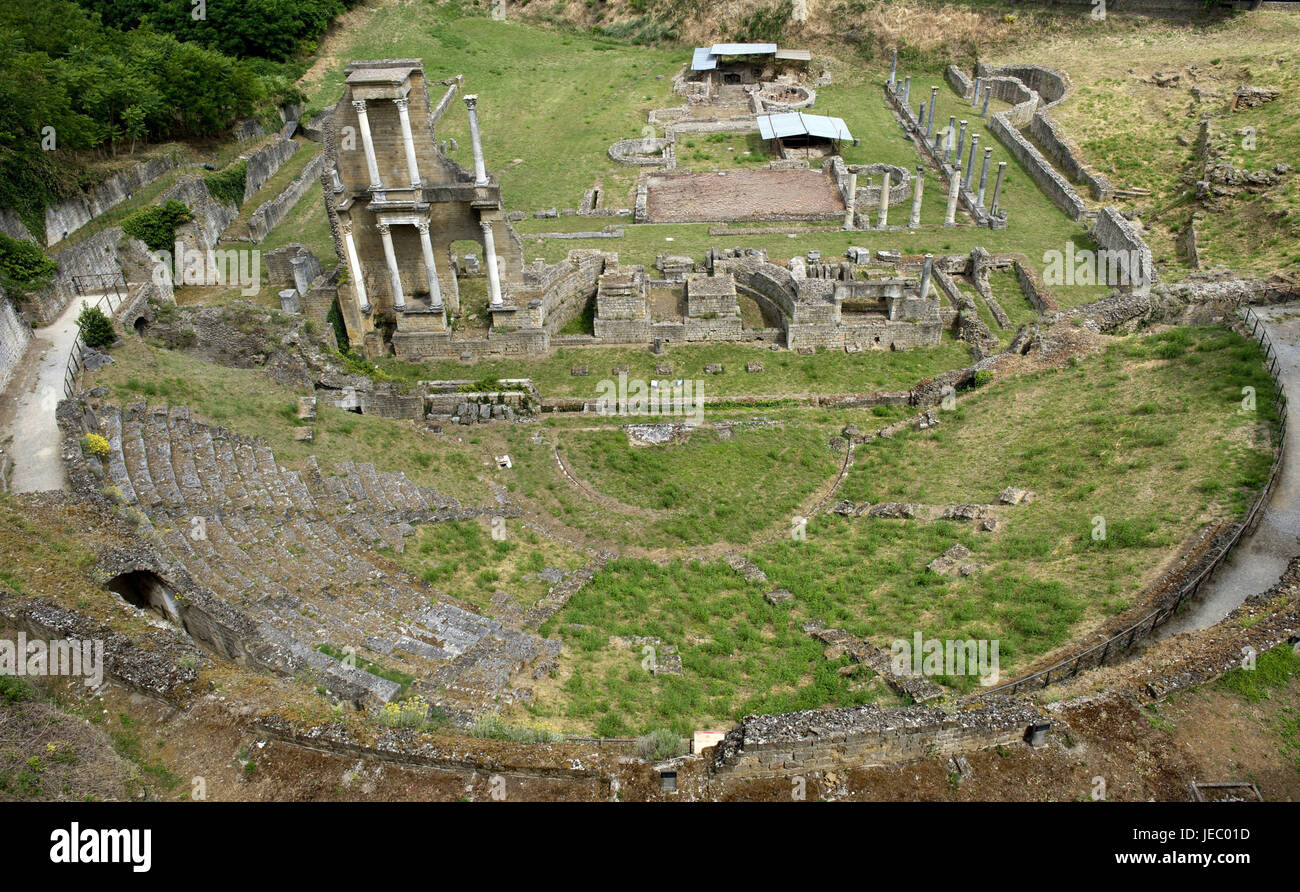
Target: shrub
227 186
94 444
658 745
23 266
96 328
982 377
156 225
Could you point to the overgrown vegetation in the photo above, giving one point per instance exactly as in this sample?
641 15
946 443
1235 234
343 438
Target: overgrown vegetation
156 225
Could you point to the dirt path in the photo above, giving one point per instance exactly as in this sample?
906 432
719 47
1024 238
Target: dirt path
27 423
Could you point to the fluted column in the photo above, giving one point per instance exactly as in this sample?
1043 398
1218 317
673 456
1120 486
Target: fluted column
368 144
494 276
354 267
404 116
394 276
925 276
430 268
476 143
934 100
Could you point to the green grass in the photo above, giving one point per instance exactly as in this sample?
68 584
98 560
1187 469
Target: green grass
785 372
740 655
461 559
1273 671
706 489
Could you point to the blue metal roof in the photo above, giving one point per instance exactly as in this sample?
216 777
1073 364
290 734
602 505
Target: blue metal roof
703 60
798 124
743 49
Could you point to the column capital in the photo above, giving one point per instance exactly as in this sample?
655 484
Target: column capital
383 228
423 226
402 103
471 101
359 105
346 226
485 225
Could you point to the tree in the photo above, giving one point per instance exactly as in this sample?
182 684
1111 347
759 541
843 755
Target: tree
96 329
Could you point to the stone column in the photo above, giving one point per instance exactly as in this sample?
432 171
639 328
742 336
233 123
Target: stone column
884 201
490 259
948 142
300 280
907 88
920 122
985 112
368 144
918 186
997 187
336 182
480 171
404 116
354 267
961 143
975 93
925 276
934 100
970 162
851 205
984 175
893 66
394 276
954 183
430 268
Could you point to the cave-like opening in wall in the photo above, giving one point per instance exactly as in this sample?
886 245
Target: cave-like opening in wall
148 591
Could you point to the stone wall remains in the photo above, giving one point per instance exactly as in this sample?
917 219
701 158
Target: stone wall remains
15 335
864 736
68 216
273 212
1063 154
262 164
1114 233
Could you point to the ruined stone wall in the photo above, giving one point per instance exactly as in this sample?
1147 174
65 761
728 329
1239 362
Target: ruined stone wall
273 212
959 81
1050 180
863 736
210 217
1062 152
567 287
15 335
1114 233
12 226
68 216
262 164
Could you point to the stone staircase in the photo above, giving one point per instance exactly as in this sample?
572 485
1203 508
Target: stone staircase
295 550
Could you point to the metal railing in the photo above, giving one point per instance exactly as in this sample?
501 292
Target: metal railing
113 295
1097 655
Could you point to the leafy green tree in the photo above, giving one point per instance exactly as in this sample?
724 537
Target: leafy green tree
96 329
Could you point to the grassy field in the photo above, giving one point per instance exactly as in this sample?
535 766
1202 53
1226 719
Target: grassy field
740 655
1145 434
462 559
